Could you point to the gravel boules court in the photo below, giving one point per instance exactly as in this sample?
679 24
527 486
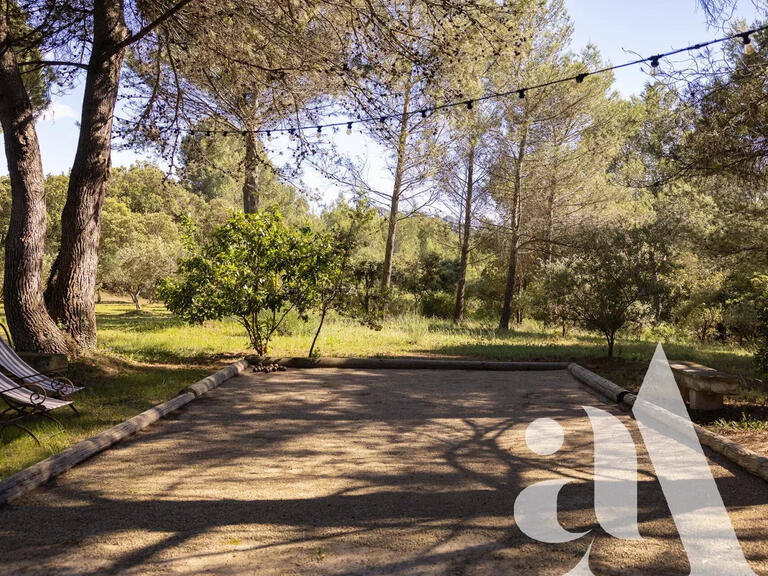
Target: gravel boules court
354 471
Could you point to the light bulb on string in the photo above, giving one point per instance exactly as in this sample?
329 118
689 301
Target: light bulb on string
349 128
654 66
749 48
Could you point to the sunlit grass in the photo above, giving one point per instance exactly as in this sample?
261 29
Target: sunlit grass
145 357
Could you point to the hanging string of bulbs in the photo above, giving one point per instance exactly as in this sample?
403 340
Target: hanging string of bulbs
654 61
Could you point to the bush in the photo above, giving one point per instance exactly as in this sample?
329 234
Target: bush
742 322
253 268
760 299
603 288
438 305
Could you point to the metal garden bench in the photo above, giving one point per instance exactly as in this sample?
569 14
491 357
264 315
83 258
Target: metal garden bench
53 385
23 401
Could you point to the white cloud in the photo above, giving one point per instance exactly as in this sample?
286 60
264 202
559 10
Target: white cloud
57 110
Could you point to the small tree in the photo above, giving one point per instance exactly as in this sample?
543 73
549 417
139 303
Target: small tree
331 259
601 289
331 278
141 264
253 268
139 250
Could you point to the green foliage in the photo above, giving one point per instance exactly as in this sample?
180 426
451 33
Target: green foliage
602 288
141 249
254 268
212 170
746 422
759 297
437 305
37 80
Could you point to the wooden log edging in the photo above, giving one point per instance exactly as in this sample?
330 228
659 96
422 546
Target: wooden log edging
751 461
406 363
40 473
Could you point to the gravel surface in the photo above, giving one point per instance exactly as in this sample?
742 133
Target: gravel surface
342 472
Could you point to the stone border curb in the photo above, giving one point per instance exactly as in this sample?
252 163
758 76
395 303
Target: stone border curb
749 460
40 473
405 363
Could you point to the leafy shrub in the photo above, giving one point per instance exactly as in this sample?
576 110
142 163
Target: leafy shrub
253 268
602 289
438 305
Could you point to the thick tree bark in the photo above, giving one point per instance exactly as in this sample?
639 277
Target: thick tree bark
394 208
72 285
30 324
252 174
135 299
516 207
458 313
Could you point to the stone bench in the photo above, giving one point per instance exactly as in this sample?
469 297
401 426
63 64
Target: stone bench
703 387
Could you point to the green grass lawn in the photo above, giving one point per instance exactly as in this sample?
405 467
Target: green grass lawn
145 357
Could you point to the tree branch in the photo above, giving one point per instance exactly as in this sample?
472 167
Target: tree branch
133 38
42 63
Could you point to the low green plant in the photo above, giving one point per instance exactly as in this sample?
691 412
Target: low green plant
746 422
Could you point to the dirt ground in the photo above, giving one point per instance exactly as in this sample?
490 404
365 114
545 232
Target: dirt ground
347 472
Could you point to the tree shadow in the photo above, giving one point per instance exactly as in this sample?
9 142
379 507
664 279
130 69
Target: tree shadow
385 472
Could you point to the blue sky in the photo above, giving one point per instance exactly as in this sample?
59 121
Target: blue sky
620 29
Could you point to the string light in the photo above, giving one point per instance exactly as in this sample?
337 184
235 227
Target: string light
578 78
749 48
655 65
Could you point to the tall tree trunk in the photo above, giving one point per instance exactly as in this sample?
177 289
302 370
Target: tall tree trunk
30 324
71 287
458 313
551 210
656 287
135 299
252 174
516 205
386 278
